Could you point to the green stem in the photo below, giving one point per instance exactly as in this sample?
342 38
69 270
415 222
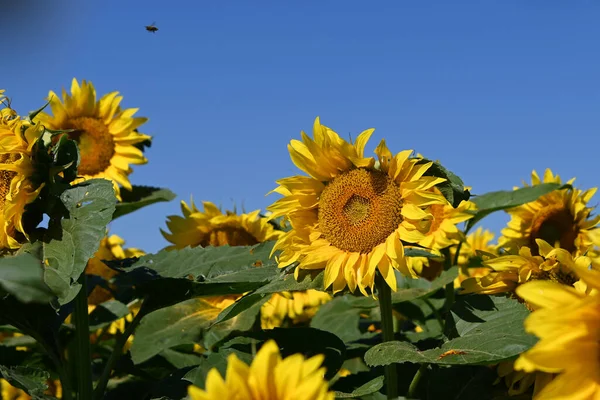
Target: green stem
387 327
414 384
449 286
83 357
116 354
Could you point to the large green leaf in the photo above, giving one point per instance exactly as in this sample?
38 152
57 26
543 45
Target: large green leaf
106 313
453 188
141 196
370 387
340 316
411 289
90 206
170 277
31 380
487 330
505 199
23 277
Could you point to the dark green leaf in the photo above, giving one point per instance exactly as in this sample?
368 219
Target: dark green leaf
505 199
90 205
31 380
139 197
368 388
340 317
411 251
106 313
197 376
411 289
23 277
242 322
453 189
488 330
460 383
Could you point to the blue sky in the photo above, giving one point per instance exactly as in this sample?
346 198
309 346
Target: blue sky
492 89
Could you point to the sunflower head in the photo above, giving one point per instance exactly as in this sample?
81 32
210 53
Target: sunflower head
107 135
519 382
510 271
268 377
18 188
295 307
561 218
350 216
211 227
567 323
111 248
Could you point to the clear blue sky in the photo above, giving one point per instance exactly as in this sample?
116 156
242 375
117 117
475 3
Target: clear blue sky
492 90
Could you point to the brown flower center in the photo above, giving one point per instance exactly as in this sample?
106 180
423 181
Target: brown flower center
232 236
554 224
359 210
6 177
96 144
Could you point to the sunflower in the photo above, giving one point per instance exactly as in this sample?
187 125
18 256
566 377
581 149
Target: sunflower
106 135
567 322
561 218
213 228
111 248
510 271
350 216
17 139
519 382
469 259
298 307
268 377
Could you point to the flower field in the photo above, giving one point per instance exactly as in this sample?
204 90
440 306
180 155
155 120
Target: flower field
370 276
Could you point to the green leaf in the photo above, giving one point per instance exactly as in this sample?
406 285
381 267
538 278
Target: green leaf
139 197
90 205
505 199
411 251
461 383
171 326
23 277
370 387
244 321
31 380
453 189
170 277
340 316
106 313
411 289
488 330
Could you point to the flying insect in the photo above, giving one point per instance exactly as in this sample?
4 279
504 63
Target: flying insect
151 28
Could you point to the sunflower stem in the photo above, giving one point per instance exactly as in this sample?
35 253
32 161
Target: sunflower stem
450 286
116 354
414 384
384 294
83 355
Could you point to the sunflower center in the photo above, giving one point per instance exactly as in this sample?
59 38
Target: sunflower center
231 236
6 177
554 225
437 210
359 210
96 144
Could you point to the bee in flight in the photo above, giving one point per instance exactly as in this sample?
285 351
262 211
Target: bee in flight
151 28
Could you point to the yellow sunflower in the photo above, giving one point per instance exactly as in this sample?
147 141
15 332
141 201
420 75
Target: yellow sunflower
519 382
107 135
510 271
298 307
561 218
268 377
567 322
476 241
350 216
111 248
17 139
213 228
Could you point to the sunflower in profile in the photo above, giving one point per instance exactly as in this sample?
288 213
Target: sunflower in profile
567 322
268 377
111 248
17 139
211 227
510 271
350 216
561 218
107 136
469 258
